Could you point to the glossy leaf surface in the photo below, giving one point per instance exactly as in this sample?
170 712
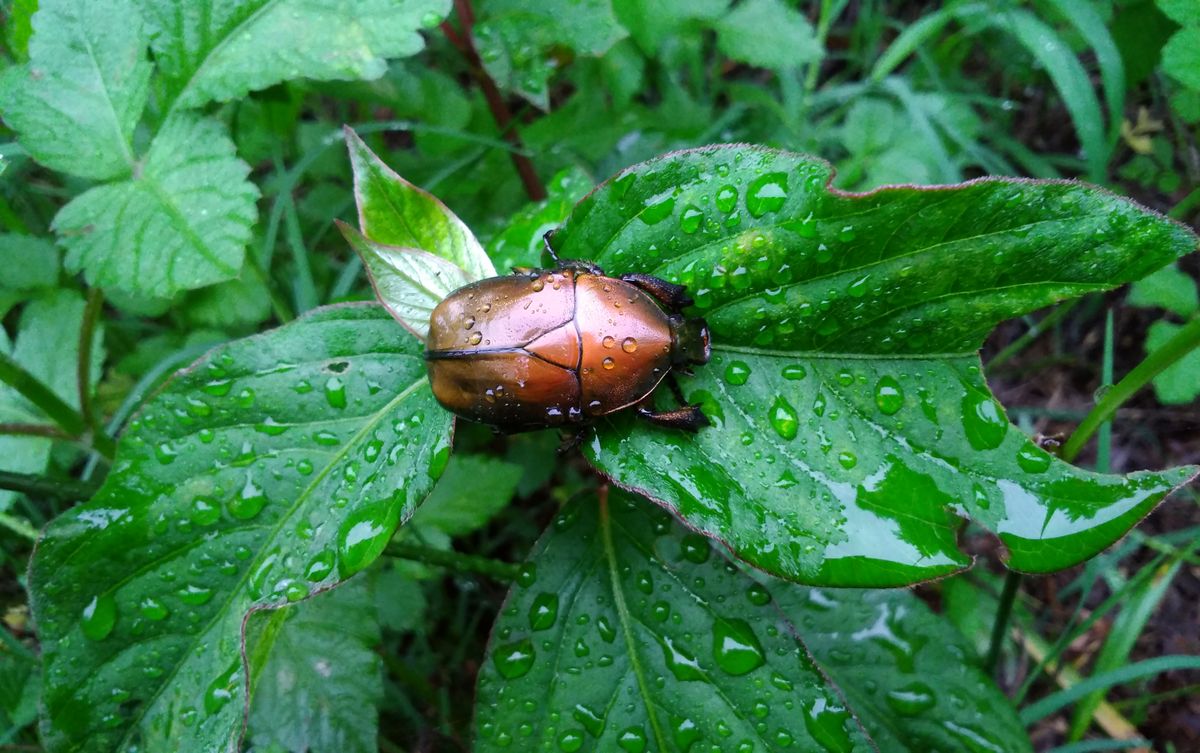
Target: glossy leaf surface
182 222
211 50
630 633
275 467
394 212
852 425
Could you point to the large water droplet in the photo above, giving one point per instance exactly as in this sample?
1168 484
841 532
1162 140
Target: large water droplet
1032 459
362 538
153 609
592 721
658 207
543 611
827 725
983 421
220 691
99 616
912 699
335 392
632 740
690 220
437 463
736 647
726 198
514 659
249 501
680 661
795 372
784 419
737 372
766 193
889 398
319 567
194 595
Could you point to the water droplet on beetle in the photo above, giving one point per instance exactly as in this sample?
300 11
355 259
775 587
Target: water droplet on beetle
609 341
629 345
475 338
608 363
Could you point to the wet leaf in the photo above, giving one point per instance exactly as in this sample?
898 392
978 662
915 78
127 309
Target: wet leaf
323 681
394 212
222 50
181 222
76 102
276 467
852 424
630 633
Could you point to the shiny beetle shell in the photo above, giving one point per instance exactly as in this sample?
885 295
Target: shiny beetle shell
555 347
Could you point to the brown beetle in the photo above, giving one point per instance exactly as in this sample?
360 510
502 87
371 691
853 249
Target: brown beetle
562 347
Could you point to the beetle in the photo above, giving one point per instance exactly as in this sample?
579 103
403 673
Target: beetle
562 347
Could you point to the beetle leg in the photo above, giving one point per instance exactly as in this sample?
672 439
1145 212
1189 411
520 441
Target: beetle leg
673 296
688 418
676 390
576 264
550 249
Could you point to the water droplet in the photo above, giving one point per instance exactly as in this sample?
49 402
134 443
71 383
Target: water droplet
99 617
468 322
983 420
827 725
912 699
319 567
335 392
543 611
570 741
437 463
691 219
295 591
766 193
784 419
220 691
591 721
153 609
607 632
270 427
362 538
609 341
737 372
694 548
218 387
1032 459
847 459
889 398
431 19
726 199
632 740
794 372
758 595
165 453
194 595
538 286
685 732
629 345
515 659
608 363
736 647
248 502
680 661
205 511
658 207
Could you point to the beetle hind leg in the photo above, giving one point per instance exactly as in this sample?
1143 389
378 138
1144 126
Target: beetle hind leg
672 296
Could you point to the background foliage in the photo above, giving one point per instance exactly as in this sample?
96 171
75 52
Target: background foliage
171 173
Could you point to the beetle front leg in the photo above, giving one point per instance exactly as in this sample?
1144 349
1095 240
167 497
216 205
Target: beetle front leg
673 296
688 418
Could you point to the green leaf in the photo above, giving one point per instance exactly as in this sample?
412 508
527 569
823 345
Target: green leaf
1179 383
1181 57
19 27
275 467
852 425
222 50
394 212
47 346
241 302
1168 288
409 282
473 489
181 222
520 244
77 100
652 22
321 686
769 34
29 263
632 634
1182 12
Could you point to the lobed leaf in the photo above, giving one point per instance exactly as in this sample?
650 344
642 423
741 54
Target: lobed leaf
276 467
769 34
852 424
220 51
76 102
628 632
181 222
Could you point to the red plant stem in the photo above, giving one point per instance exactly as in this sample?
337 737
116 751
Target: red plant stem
465 44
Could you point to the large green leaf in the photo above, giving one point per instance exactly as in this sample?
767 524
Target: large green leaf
221 50
631 634
77 100
275 467
181 222
319 689
852 424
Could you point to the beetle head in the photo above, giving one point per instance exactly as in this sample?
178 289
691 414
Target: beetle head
692 344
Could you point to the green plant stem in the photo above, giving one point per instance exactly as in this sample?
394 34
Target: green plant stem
1104 439
455 561
824 21
64 489
34 430
83 370
12 374
1012 583
18 649
1034 332
1183 342
1185 206
18 526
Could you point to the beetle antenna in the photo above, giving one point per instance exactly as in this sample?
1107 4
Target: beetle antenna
550 249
